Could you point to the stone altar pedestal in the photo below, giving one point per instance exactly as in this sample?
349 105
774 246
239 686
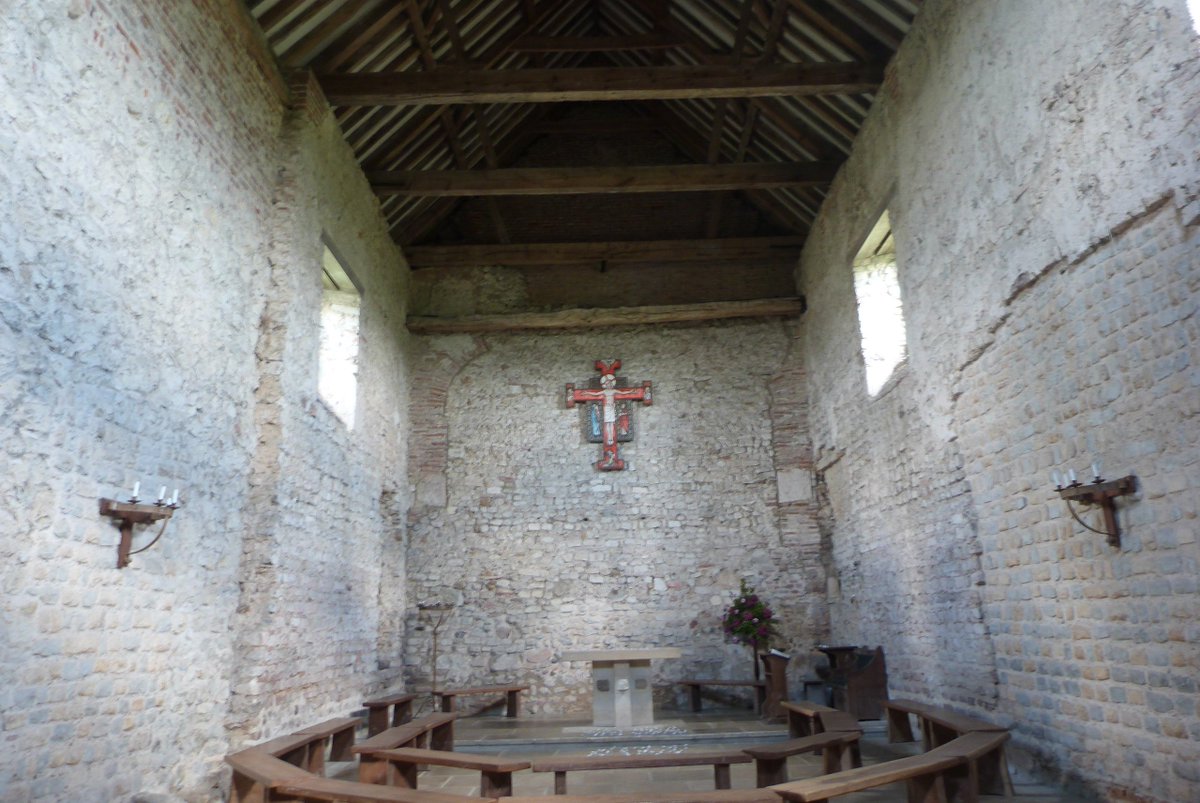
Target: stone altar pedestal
621 694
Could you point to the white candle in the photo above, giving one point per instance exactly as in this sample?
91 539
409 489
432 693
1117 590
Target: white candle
162 493
137 486
175 497
1096 470
1070 476
1057 478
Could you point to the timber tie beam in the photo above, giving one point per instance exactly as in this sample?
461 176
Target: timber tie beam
452 85
591 180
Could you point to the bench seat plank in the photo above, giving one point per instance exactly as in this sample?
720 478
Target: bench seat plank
434 730
511 692
802 717
314 788
495 773
770 760
341 733
926 770
377 711
720 761
715 796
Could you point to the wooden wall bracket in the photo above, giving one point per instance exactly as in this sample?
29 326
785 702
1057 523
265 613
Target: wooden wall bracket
1100 492
129 514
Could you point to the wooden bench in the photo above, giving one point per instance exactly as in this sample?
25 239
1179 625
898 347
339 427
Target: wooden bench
435 731
512 695
495 774
328 789
718 796
378 720
931 777
256 772
925 776
719 759
941 727
259 777
770 760
338 733
802 717
695 685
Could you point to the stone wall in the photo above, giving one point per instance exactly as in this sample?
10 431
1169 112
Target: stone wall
542 553
159 290
1039 164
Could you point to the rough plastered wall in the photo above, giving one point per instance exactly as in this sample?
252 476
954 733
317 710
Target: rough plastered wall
140 241
541 553
321 548
1039 164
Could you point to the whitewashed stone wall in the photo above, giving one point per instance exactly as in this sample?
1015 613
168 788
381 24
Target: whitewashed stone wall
142 277
542 553
1039 164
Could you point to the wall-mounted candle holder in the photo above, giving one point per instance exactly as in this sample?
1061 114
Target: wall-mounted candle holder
134 512
1100 492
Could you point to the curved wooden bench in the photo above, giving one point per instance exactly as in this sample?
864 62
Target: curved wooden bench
512 697
434 730
495 774
259 777
719 759
695 685
929 776
925 775
770 760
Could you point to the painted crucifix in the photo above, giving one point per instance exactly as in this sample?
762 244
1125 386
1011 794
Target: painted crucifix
610 412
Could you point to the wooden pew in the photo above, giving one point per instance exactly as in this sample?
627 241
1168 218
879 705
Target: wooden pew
512 695
695 685
435 731
770 760
495 774
400 706
719 759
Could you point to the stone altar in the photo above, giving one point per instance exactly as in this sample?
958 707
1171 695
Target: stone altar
621 693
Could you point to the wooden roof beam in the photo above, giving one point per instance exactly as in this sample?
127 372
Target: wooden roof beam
591 180
595 44
724 251
598 83
784 307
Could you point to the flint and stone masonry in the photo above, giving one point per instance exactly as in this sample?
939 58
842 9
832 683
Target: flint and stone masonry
169 198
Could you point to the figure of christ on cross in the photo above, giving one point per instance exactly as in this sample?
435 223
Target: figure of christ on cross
607 396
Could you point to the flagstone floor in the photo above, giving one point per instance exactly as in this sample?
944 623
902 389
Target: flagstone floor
674 732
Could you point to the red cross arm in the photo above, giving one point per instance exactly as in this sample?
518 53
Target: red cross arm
578 396
641 394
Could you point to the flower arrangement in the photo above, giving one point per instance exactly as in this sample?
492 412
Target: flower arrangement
749 620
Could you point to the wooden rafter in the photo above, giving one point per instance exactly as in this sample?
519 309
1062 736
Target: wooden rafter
724 251
598 83
588 180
